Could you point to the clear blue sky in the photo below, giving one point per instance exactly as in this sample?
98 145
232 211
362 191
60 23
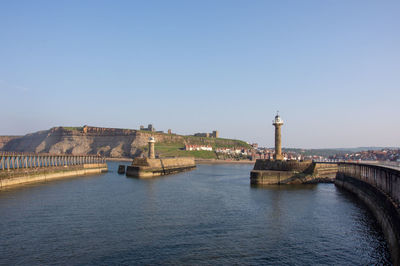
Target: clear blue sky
332 68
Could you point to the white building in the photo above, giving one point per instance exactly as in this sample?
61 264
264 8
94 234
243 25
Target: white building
198 148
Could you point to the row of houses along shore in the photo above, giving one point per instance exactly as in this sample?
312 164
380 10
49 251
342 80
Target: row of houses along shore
268 153
254 153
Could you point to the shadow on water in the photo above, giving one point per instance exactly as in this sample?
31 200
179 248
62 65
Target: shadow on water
369 225
285 187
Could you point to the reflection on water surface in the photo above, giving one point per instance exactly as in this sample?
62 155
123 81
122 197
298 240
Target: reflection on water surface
210 215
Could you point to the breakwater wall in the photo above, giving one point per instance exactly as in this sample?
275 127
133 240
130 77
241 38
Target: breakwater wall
147 168
270 172
21 168
379 188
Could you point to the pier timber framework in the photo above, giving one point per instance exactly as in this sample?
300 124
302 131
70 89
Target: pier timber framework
21 168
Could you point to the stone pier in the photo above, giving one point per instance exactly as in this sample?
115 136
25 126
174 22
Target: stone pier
21 168
379 188
147 167
271 172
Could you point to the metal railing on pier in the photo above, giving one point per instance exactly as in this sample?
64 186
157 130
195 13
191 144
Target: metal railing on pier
11 160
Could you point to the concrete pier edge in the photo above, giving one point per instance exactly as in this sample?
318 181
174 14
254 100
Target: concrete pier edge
377 186
32 175
385 211
148 167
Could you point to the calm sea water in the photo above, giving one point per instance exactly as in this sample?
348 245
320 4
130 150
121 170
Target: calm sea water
207 216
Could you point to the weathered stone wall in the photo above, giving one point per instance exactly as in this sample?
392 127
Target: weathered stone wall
146 168
325 171
171 162
265 164
32 175
270 172
385 179
274 177
378 188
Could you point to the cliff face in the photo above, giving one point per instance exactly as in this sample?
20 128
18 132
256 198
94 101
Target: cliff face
109 142
5 139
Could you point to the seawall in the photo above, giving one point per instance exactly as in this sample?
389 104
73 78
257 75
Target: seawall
270 172
31 175
147 168
379 188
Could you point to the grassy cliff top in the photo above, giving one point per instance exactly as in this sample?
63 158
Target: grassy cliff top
167 145
216 142
176 150
179 139
73 128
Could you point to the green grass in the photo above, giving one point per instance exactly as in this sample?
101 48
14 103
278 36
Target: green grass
173 147
216 142
73 128
175 150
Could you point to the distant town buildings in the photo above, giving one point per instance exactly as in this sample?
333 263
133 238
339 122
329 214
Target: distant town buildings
214 134
370 155
233 150
198 148
392 155
268 153
256 152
